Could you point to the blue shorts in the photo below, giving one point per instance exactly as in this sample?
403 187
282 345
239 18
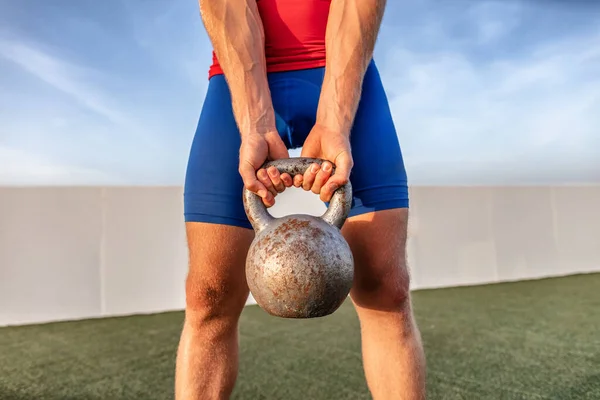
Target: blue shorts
213 186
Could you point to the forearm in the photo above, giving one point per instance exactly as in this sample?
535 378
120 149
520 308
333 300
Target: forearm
236 33
352 30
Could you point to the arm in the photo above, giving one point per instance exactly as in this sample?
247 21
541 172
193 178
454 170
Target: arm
236 32
352 29
350 38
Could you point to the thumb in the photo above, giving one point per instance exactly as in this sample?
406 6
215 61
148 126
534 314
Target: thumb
251 183
309 151
343 166
277 149
311 148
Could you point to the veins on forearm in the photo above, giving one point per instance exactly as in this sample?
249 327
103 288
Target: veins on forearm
352 31
236 33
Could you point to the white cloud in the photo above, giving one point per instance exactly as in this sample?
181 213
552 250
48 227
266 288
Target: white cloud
62 75
474 117
494 19
24 168
163 29
472 100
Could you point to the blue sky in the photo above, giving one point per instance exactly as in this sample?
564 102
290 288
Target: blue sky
482 92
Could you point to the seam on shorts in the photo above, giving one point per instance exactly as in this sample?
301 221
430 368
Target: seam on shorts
380 206
403 185
218 219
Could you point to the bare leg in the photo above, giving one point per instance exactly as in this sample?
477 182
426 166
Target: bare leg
216 292
393 356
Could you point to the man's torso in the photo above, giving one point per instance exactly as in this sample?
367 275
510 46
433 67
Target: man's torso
294 34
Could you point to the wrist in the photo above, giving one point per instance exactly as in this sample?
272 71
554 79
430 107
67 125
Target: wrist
256 129
335 119
255 120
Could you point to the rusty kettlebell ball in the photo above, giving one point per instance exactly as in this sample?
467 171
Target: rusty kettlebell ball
299 266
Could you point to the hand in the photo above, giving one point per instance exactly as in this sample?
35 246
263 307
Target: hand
254 151
333 147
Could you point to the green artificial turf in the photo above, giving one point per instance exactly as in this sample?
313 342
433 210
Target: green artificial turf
524 340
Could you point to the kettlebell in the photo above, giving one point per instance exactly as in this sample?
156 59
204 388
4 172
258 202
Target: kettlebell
299 266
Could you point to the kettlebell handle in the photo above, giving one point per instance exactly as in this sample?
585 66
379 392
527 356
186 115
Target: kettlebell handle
336 213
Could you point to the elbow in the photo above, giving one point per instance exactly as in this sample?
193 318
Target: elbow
208 9
206 6
209 4
217 8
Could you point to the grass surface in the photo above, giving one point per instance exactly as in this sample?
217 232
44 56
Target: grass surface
525 340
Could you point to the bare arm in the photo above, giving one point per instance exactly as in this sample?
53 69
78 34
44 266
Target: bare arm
236 32
351 34
237 35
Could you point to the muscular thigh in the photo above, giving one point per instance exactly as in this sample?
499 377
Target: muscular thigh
377 226
218 231
378 243
216 278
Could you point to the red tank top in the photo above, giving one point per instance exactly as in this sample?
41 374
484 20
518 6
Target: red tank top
294 34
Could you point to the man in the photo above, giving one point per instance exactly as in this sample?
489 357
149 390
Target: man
289 74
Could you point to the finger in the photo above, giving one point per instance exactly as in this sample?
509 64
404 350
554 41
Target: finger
337 180
276 179
322 176
298 180
269 200
287 180
310 175
248 175
263 177
333 184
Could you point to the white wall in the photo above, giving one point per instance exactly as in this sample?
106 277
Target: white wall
70 253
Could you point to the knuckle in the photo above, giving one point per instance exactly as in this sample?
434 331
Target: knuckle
340 179
265 180
247 178
243 170
252 186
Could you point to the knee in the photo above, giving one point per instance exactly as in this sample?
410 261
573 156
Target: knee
214 299
388 289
